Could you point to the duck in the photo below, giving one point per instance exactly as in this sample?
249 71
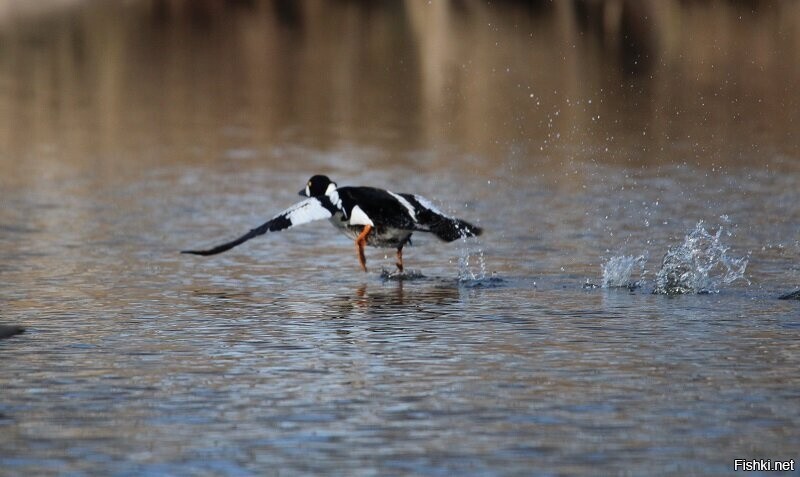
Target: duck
368 215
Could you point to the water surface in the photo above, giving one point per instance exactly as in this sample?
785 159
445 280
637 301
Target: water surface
134 130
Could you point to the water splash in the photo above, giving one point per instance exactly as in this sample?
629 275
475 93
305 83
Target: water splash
617 271
699 265
471 263
488 282
406 275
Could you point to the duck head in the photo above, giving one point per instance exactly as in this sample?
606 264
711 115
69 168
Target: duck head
317 186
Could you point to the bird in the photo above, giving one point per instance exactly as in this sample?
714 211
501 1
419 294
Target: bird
795 295
7 331
368 215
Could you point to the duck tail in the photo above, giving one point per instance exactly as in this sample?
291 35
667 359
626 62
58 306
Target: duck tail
449 229
431 219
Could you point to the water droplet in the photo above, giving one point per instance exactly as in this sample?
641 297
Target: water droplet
698 265
617 271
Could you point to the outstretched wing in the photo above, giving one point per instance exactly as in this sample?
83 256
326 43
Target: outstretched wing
314 208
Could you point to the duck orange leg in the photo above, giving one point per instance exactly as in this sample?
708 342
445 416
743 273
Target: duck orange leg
399 262
361 241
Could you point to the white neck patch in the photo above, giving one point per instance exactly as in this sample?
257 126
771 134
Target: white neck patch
333 195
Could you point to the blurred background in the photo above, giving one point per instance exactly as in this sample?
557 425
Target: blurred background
616 80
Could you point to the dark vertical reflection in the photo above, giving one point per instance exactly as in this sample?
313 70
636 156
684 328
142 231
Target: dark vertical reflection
288 14
637 44
487 79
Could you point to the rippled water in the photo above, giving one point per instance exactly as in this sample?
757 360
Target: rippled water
133 131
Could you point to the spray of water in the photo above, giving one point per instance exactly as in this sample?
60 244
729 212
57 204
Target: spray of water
699 265
407 275
471 262
617 271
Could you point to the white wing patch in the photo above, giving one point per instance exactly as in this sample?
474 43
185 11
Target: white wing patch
358 217
306 211
429 205
406 204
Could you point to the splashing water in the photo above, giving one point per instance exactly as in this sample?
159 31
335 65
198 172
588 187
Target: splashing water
394 275
699 265
468 270
617 271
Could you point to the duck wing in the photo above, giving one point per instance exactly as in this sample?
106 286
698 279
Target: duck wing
314 208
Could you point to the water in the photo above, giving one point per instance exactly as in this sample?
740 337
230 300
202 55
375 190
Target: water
133 130
700 264
617 271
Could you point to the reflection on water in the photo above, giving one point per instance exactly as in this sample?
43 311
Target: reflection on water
572 132
622 81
